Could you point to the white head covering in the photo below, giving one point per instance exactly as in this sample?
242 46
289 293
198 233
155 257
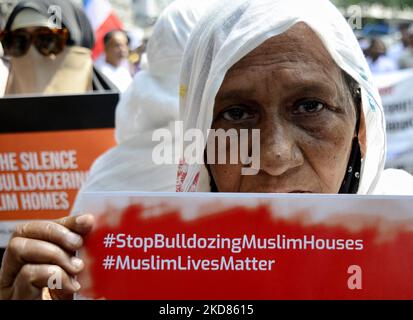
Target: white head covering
30 18
239 26
150 103
68 72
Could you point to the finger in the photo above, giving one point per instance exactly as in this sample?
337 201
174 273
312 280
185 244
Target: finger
64 232
81 224
51 232
32 278
23 250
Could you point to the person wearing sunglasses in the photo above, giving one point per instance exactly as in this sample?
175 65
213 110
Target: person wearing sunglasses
48 44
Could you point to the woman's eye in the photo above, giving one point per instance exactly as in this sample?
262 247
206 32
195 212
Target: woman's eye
237 114
310 106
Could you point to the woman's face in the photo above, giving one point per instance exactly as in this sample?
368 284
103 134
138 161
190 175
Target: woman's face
291 89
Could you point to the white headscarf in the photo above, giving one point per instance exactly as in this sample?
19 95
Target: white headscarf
236 28
152 100
150 103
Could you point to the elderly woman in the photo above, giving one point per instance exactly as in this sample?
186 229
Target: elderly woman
296 72
274 65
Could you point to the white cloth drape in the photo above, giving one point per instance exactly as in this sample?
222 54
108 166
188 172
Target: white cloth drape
151 102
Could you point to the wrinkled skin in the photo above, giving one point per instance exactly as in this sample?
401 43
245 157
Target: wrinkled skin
37 251
291 89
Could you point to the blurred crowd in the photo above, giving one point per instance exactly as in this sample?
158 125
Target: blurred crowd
40 55
57 59
382 57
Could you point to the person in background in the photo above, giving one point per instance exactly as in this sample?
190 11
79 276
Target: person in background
115 66
137 57
406 57
376 58
396 50
48 54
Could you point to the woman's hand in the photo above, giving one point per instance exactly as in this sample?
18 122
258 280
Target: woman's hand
39 250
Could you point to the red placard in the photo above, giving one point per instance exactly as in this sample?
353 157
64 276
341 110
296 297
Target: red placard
245 246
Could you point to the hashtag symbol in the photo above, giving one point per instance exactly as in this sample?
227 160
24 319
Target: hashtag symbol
109 240
108 262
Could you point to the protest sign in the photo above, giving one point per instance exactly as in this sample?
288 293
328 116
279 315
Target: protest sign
47 145
397 96
247 246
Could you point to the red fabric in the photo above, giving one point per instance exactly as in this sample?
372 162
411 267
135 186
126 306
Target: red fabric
386 257
111 23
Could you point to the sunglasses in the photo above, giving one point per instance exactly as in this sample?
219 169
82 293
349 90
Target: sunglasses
47 41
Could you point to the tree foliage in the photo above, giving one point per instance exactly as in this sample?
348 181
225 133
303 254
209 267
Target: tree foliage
398 4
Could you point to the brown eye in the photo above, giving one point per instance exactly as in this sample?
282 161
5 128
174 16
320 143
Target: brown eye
238 114
308 107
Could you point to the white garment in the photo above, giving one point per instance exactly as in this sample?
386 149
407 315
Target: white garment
151 102
120 76
4 74
395 182
395 52
382 65
29 17
237 27
406 58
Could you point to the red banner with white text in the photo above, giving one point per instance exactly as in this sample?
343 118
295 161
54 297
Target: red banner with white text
246 246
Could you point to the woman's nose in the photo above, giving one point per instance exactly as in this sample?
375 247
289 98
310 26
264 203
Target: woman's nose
279 150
